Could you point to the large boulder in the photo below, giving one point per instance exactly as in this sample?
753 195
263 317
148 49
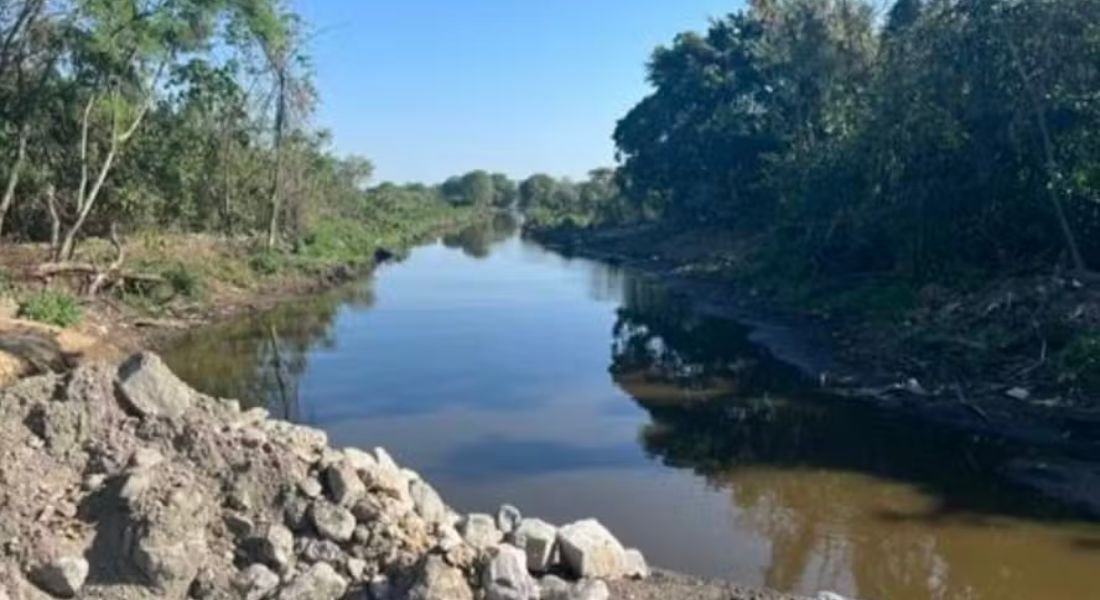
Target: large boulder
63 577
505 576
428 504
434 579
479 530
508 518
148 389
344 485
320 582
538 539
169 543
590 550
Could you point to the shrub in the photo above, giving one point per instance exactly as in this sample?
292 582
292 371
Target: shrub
268 263
184 281
52 307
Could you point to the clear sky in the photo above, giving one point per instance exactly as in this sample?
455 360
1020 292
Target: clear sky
431 88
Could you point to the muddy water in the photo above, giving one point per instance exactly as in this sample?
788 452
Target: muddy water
503 372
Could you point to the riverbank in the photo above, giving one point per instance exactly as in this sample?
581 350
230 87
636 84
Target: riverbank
122 482
983 361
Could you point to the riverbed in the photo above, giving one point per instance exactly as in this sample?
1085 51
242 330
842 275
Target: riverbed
504 372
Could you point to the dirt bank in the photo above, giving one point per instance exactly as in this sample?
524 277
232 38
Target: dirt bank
119 481
980 361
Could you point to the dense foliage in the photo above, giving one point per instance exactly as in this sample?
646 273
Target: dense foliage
939 137
186 116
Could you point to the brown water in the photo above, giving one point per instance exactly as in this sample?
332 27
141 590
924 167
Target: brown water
506 373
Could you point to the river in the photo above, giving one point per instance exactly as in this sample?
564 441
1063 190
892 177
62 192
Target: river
504 372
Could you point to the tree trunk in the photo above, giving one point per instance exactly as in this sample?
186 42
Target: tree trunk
55 219
276 184
13 176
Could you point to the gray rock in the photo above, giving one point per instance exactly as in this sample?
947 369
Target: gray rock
379 588
505 577
310 488
361 461
320 582
333 522
357 568
386 476
275 547
479 531
434 579
62 577
315 551
590 589
344 485
428 504
169 543
636 567
146 458
148 389
508 518
552 587
239 525
538 539
589 550
255 583
295 511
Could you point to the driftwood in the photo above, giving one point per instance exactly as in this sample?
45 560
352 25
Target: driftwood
98 278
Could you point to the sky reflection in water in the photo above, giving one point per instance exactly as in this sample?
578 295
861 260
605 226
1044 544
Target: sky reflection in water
503 372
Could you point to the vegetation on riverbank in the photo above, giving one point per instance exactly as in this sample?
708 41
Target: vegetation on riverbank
159 159
926 180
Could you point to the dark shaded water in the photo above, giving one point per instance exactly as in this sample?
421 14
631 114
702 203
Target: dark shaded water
506 373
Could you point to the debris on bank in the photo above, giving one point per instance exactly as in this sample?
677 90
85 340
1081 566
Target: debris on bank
122 482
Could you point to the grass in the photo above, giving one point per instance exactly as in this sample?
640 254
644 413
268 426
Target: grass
53 307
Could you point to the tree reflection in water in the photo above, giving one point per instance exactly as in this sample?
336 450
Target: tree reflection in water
476 240
847 495
259 360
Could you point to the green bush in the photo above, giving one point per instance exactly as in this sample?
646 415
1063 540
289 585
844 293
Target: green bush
1081 362
53 307
268 263
184 281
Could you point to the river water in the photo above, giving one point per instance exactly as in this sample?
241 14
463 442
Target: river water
504 372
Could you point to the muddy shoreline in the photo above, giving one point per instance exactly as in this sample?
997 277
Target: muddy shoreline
1062 458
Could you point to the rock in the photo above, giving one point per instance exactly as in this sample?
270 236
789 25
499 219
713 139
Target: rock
434 579
62 577
356 567
203 586
320 582
589 550
239 525
169 540
333 522
427 502
315 551
537 539
1018 393
508 519
148 389
553 587
255 582
385 475
505 577
275 547
310 488
361 461
636 567
344 485
379 588
479 531
590 589
295 511
146 458
829 596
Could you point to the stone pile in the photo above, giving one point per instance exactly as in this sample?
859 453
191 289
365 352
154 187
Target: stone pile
126 483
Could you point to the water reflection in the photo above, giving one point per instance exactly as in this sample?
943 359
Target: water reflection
849 497
485 364
476 240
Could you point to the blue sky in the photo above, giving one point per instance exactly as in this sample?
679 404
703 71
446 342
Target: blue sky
431 88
